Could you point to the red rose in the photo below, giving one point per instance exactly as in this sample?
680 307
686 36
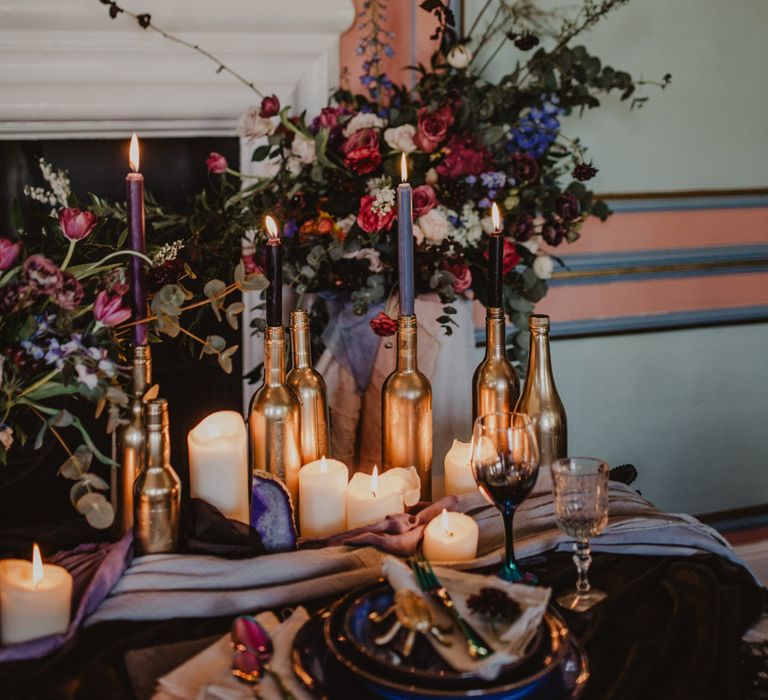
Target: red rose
383 325
372 221
216 163
462 276
361 151
270 106
464 157
75 223
510 257
432 128
424 199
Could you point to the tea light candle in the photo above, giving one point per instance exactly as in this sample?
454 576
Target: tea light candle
322 497
368 501
451 537
458 471
35 599
218 464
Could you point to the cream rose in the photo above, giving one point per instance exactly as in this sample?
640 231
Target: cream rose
401 138
418 234
543 266
364 120
431 177
435 226
459 56
294 165
304 149
252 125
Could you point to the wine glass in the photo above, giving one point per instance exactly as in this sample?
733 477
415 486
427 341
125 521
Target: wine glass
505 464
580 486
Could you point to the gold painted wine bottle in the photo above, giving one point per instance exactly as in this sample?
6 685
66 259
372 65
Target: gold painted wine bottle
495 385
132 443
540 399
157 492
407 411
308 385
274 419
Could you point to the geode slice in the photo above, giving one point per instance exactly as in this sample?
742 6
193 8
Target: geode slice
272 513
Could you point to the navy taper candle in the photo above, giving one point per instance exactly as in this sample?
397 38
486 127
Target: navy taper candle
274 274
495 261
405 243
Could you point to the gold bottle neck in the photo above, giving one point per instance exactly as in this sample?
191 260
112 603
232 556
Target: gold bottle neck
158 436
302 356
495 334
540 363
406 344
142 370
274 356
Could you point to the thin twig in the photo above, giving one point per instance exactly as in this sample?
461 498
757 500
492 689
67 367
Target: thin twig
52 429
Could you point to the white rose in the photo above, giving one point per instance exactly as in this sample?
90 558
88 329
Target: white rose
294 165
418 234
435 226
401 138
532 244
542 267
6 437
459 56
363 120
251 126
373 258
431 177
271 168
304 149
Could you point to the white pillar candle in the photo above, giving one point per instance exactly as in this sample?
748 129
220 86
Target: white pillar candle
458 471
35 599
451 537
323 497
369 501
404 481
218 464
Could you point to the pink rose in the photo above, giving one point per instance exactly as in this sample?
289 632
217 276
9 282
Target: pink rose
372 221
270 106
510 256
216 163
9 252
109 310
329 118
383 325
462 276
75 223
432 128
42 275
464 157
69 294
361 151
424 199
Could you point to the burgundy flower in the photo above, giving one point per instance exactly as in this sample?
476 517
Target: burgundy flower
510 257
216 163
553 232
464 157
361 151
524 227
9 252
526 41
250 266
329 118
525 168
69 294
383 325
109 310
584 171
75 223
567 206
424 199
42 275
372 221
270 106
462 276
432 128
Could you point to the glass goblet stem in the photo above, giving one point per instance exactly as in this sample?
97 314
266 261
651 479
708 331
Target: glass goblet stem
582 558
509 572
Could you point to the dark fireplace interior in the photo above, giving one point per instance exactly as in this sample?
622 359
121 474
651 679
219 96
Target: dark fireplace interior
174 169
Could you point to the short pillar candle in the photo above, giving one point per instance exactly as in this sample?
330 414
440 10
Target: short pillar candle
323 497
451 537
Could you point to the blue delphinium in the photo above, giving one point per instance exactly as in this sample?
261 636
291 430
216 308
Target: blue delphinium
537 129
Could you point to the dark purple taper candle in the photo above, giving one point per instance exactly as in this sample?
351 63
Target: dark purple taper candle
134 185
405 242
274 274
495 261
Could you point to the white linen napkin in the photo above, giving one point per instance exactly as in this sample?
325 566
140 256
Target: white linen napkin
208 676
508 646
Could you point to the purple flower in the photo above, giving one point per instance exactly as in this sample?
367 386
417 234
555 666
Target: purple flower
525 167
87 375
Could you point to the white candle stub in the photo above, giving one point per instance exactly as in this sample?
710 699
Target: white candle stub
451 537
458 471
322 497
371 498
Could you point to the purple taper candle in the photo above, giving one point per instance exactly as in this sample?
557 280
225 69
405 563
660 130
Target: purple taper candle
495 260
405 241
134 185
274 274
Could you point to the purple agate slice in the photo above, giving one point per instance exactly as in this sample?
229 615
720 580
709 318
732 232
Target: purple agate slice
272 513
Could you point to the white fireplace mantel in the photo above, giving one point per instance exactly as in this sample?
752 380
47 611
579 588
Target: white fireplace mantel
68 71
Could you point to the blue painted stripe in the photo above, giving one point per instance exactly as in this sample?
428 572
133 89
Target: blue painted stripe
715 201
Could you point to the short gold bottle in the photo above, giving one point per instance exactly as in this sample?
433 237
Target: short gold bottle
495 385
540 399
132 444
407 411
157 492
274 420
308 384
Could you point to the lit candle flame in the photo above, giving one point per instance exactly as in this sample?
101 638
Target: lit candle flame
323 465
133 153
403 168
272 231
37 566
496 217
375 481
446 523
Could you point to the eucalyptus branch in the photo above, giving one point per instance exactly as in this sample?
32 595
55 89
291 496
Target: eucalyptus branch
145 22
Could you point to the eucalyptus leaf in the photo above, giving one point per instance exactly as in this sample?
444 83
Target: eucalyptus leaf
49 390
97 510
77 464
232 312
62 419
225 358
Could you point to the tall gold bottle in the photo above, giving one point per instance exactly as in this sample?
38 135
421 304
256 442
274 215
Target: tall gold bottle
274 419
308 384
133 443
540 399
495 385
407 411
157 492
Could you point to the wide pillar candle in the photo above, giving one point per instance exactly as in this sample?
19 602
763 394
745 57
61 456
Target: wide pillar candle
451 537
458 471
35 599
218 464
323 497
369 502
